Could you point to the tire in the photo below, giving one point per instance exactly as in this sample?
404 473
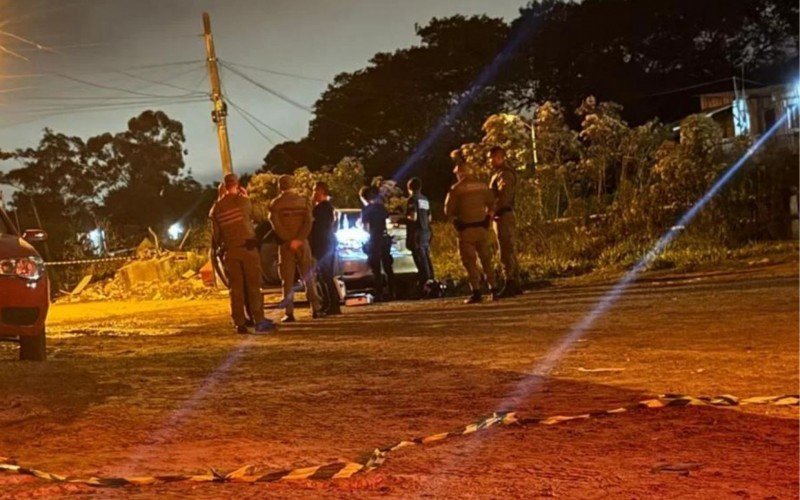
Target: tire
269 264
219 267
33 347
324 294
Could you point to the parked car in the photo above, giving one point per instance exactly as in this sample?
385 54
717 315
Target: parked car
351 265
351 260
24 290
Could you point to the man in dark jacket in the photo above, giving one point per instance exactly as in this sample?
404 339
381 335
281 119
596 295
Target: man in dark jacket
418 230
378 250
323 243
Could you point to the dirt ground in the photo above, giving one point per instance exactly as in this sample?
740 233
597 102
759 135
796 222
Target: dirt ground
160 387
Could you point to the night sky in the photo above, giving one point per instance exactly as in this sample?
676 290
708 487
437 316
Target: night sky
94 38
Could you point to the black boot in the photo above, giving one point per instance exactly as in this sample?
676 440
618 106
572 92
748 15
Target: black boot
475 298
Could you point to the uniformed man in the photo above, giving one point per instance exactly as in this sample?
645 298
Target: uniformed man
290 215
323 243
379 246
504 186
233 230
470 204
418 230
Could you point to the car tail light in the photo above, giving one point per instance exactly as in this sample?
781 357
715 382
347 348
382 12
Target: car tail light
29 268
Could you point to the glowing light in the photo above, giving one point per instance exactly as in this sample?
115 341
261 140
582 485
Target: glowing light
350 243
175 231
97 238
741 116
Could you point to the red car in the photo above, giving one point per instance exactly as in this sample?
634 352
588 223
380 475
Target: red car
24 290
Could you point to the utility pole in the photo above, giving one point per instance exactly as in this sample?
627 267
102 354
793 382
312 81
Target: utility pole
220 112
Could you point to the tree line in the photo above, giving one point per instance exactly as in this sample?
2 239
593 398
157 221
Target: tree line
124 182
649 56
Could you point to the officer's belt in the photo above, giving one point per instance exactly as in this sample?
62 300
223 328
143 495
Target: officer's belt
461 226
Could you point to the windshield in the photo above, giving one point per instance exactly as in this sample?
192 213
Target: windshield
5 224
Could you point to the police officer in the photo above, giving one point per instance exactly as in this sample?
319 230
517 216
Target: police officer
504 186
323 243
233 229
379 248
470 203
290 215
418 230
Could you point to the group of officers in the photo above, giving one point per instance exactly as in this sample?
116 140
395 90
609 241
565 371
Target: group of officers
305 232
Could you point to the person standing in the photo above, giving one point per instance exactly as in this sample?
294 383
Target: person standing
418 230
469 202
504 186
378 250
323 243
232 227
290 216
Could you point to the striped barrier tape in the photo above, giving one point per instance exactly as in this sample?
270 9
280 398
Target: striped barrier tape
342 470
84 261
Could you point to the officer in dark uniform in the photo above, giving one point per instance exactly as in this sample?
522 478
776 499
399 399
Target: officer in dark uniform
378 250
418 230
470 203
504 186
323 243
233 229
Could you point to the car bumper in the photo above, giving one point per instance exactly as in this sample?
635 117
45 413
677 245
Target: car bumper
23 306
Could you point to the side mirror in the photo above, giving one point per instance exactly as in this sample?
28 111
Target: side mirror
34 235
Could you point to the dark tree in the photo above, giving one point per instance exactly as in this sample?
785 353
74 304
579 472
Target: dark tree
55 186
651 56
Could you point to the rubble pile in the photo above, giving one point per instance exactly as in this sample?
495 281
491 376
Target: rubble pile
167 275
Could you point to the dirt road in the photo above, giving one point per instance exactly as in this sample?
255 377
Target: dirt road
157 387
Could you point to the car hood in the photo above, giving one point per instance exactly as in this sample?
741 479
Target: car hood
13 246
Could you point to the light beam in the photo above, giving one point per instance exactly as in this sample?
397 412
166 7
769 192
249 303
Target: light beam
545 365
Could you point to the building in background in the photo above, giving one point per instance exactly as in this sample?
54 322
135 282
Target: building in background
772 207
754 110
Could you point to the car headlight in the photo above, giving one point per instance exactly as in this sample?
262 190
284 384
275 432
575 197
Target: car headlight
29 268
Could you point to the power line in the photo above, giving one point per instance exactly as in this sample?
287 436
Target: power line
274 72
698 85
165 82
244 111
118 89
253 125
96 108
289 99
106 71
244 114
268 89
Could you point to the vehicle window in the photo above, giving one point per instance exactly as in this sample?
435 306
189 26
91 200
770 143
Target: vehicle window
5 224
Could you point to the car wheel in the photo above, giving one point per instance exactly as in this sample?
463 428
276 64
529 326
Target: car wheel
219 267
269 264
323 293
33 347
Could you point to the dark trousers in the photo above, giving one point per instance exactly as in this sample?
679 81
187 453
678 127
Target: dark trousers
325 269
380 261
421 253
